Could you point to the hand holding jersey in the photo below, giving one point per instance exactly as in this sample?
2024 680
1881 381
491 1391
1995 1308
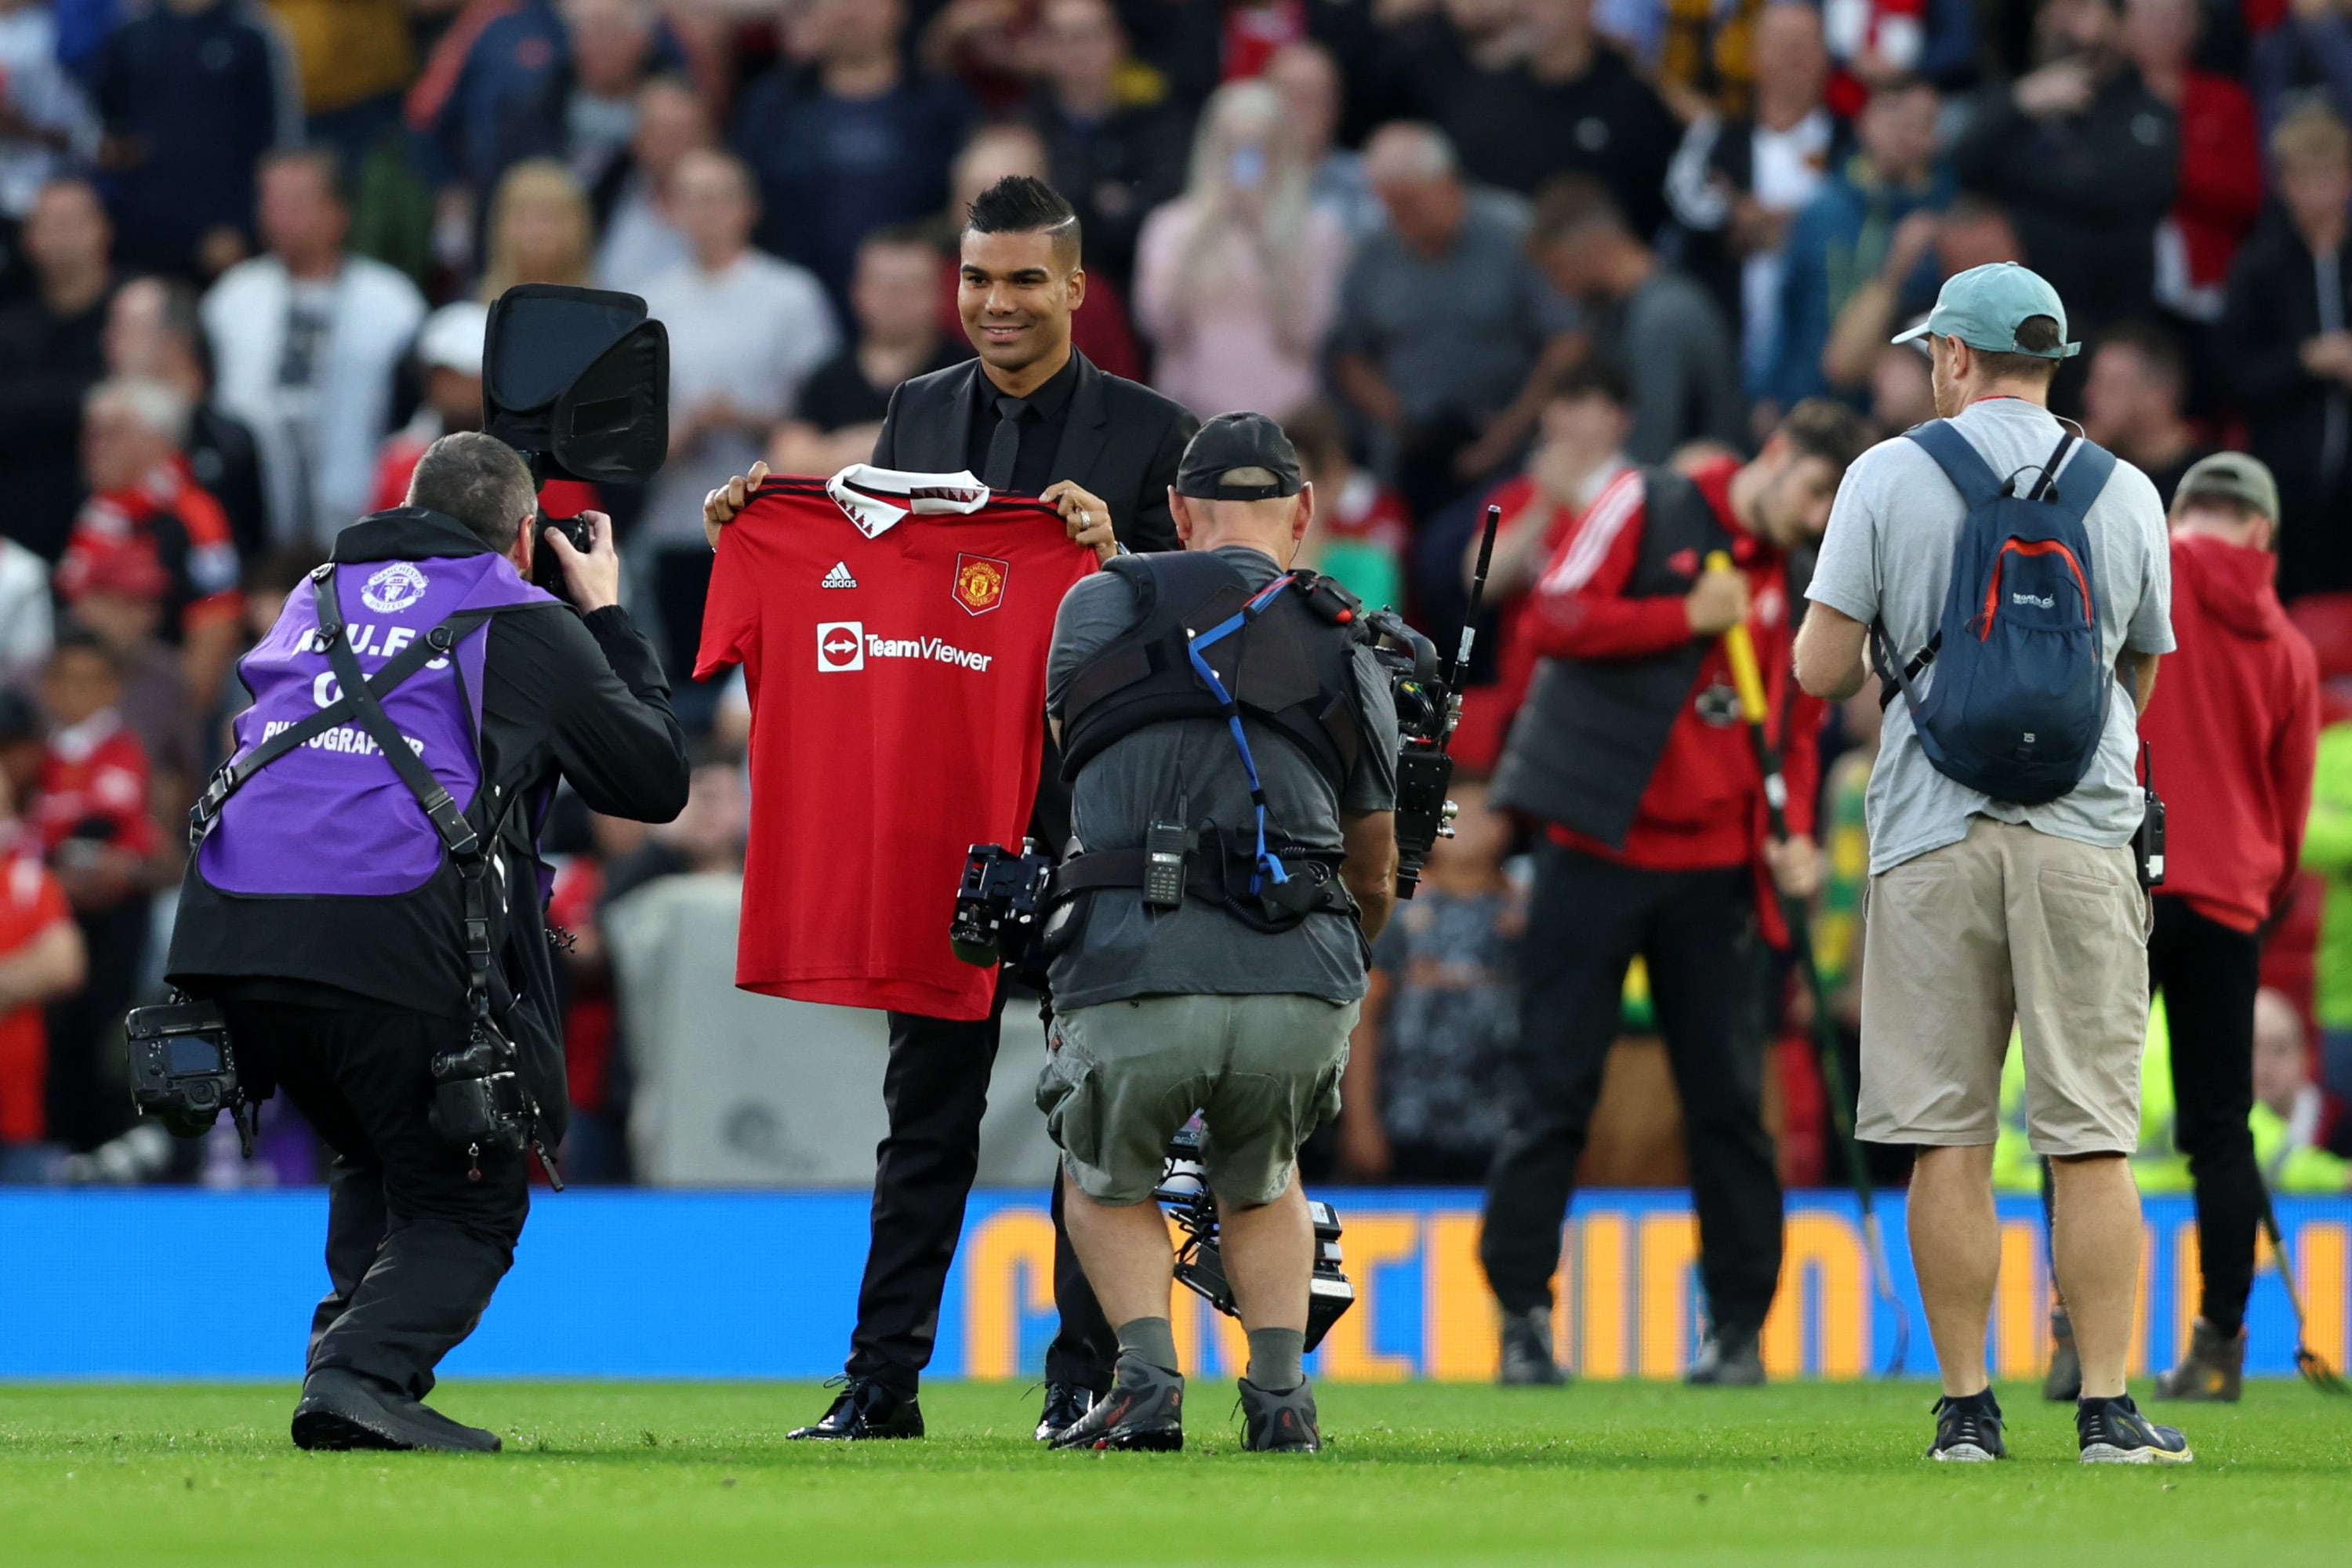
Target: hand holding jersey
1086 516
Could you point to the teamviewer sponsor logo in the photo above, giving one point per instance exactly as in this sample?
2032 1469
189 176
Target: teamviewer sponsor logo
840 645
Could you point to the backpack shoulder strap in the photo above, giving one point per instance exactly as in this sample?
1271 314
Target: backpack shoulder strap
2075 490
1961 463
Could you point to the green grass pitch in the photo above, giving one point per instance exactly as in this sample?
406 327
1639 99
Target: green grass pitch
700 1474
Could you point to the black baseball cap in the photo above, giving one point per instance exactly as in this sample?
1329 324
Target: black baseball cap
1232 441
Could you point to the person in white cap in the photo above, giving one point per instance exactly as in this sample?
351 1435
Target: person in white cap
448 360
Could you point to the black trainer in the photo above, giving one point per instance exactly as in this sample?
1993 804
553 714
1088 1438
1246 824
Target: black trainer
1143 1410
1279 1422
1527 1351
1967 1431
1727 1358
862 1412
2114 1432
341 1409
1065 1402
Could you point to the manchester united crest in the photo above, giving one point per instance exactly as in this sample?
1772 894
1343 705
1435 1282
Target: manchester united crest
980 583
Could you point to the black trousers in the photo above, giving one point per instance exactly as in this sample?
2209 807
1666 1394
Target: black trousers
414 1245
2209 975
1587 920
935 1091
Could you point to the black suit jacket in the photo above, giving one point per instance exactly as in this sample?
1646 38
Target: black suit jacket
1122 442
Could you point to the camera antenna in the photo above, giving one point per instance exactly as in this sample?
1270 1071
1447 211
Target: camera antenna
1460 669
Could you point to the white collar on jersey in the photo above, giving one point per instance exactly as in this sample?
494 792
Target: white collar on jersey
875 498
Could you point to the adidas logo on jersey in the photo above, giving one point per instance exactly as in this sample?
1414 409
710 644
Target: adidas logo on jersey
839 577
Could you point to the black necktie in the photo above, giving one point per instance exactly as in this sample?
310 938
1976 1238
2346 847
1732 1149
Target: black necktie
1004 445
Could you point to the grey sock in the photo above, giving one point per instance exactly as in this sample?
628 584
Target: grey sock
1149 1339
1274 1359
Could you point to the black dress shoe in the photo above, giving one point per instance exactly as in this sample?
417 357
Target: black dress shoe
1066 1404
341 1409
1727 1358
864 1410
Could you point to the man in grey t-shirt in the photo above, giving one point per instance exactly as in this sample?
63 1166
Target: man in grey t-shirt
1233 989
1982 911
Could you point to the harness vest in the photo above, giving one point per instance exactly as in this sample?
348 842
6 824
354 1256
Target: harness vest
1590 734
1291 668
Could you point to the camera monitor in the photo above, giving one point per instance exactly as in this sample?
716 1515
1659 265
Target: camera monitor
578 379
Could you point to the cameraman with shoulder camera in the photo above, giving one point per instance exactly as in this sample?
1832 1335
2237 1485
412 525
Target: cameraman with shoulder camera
1232 743
365 906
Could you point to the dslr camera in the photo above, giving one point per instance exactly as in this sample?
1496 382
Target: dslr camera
1184 1189
183 1066
478 1100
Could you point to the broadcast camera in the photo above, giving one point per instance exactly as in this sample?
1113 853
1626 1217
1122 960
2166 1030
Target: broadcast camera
577 380
1184 1188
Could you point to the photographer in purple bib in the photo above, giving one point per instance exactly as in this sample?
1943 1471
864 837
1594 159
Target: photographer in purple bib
362 915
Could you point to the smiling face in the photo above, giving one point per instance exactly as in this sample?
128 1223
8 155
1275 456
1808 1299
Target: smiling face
1016 293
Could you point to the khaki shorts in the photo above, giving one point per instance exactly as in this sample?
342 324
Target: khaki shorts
1122 1077
2008 923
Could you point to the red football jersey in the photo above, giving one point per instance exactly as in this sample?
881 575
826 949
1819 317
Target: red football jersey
893 630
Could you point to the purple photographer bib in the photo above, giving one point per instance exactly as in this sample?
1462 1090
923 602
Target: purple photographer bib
332 817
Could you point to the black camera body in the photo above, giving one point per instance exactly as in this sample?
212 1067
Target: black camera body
1000 902
1201 1268
183 1066
479 1103
546 567
1426 713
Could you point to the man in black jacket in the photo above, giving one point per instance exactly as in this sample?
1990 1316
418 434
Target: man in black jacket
2083 158
1031 415
343 993
2289 327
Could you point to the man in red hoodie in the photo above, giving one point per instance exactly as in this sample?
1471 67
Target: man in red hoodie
1630 752
2231 736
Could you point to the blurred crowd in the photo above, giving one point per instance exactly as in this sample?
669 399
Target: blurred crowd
1472 252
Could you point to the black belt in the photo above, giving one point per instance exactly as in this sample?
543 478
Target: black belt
1215 878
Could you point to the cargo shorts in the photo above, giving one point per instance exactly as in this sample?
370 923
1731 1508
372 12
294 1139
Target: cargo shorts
1121 1077
2009 923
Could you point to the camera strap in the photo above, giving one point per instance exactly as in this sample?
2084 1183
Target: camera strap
457 835
1265 865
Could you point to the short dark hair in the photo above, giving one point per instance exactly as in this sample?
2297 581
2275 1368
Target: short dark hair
2158 348
1825 428
1023 203
479 481
323 161
917 236
1594 376
81 639
1317 432
1571 203
2033 332
281 570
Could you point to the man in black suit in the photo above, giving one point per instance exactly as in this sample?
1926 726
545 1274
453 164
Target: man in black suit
1031 415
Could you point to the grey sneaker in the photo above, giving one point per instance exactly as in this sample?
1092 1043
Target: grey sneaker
342 1409
2064 1383
1527 1351
1279 1422
2213 1370
1143 1410
1727 1358
2114 1432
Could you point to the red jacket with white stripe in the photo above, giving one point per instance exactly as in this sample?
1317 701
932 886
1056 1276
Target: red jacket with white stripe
1703 806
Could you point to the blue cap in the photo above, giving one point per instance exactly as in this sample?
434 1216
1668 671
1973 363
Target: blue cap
1984 306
